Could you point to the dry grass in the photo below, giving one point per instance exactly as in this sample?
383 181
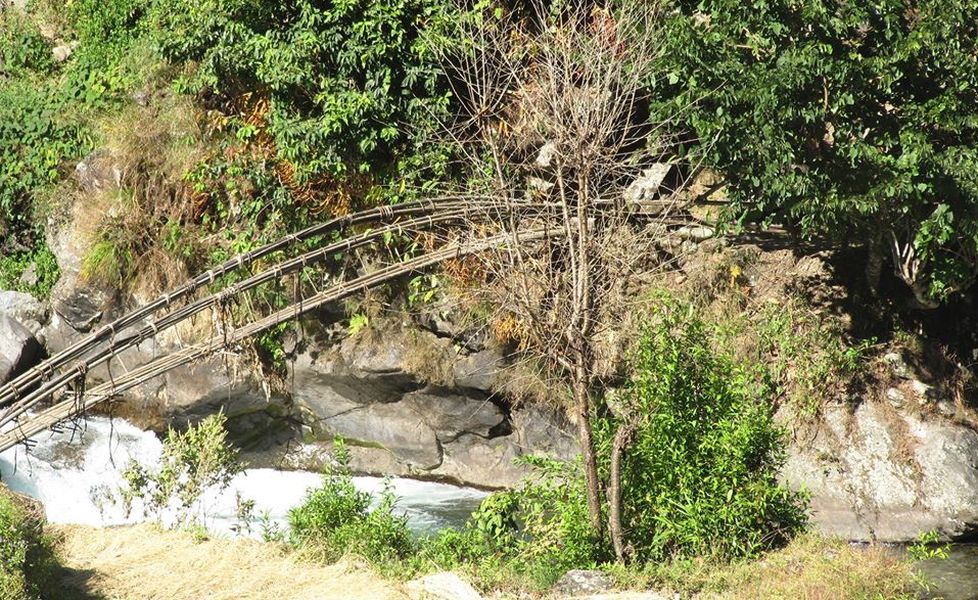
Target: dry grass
142 229
811 567
147 563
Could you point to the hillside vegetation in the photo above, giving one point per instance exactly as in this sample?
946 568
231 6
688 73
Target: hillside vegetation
678 152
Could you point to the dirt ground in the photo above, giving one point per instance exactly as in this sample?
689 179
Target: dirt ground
145 563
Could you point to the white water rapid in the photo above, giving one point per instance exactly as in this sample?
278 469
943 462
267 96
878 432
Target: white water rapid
65 470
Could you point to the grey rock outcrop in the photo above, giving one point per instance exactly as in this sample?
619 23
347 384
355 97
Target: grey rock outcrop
363 389
19 349
25 309
22 307
80 307
478 370
98 173
876 473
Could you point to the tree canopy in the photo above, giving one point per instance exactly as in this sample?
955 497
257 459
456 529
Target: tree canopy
841 119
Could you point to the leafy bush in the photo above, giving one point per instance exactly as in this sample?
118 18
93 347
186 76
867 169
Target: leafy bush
22 47
336 519
36 137
700 475
107 24
26 555
192 462
342 79
854 119
526 537
45 269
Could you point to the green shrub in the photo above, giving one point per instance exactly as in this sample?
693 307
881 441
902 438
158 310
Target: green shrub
345 80
37 136
46 272
526 537
700 475
26 555
192 462
22 47
107 24
337 519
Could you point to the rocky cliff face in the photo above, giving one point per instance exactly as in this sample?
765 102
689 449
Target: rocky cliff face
877 474
892 467
362 389
419 397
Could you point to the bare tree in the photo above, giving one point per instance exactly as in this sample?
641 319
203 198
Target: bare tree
555 111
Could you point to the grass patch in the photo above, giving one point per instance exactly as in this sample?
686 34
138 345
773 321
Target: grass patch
810 567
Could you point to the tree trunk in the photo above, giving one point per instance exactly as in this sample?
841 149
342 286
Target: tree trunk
622 438
874 262
585 436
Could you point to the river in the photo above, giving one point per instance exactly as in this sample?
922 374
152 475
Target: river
69 471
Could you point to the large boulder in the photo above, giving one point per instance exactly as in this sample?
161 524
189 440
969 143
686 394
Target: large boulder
877 473
22 307
478 370
580 582
19 349
367 390
487 463
544 431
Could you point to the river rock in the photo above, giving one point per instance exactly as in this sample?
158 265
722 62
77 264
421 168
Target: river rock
80 307
478 370
877 474
22 307
580 582
391 426
363 389
481 462
451 415
19 349
544 431
442 586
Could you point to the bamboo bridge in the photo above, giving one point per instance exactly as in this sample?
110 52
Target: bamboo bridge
55 390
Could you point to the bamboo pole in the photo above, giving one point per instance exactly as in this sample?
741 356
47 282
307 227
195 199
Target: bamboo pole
36 423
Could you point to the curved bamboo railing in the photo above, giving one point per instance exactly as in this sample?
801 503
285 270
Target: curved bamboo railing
14 389
35 423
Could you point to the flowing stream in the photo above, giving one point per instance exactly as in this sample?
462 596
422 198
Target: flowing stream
952 578
69 471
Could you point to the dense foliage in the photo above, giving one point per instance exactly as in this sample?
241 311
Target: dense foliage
26 557
337 518
699 477
700 474
344 80
854 120
36 135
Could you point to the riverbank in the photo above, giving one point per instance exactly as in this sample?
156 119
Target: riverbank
145 562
